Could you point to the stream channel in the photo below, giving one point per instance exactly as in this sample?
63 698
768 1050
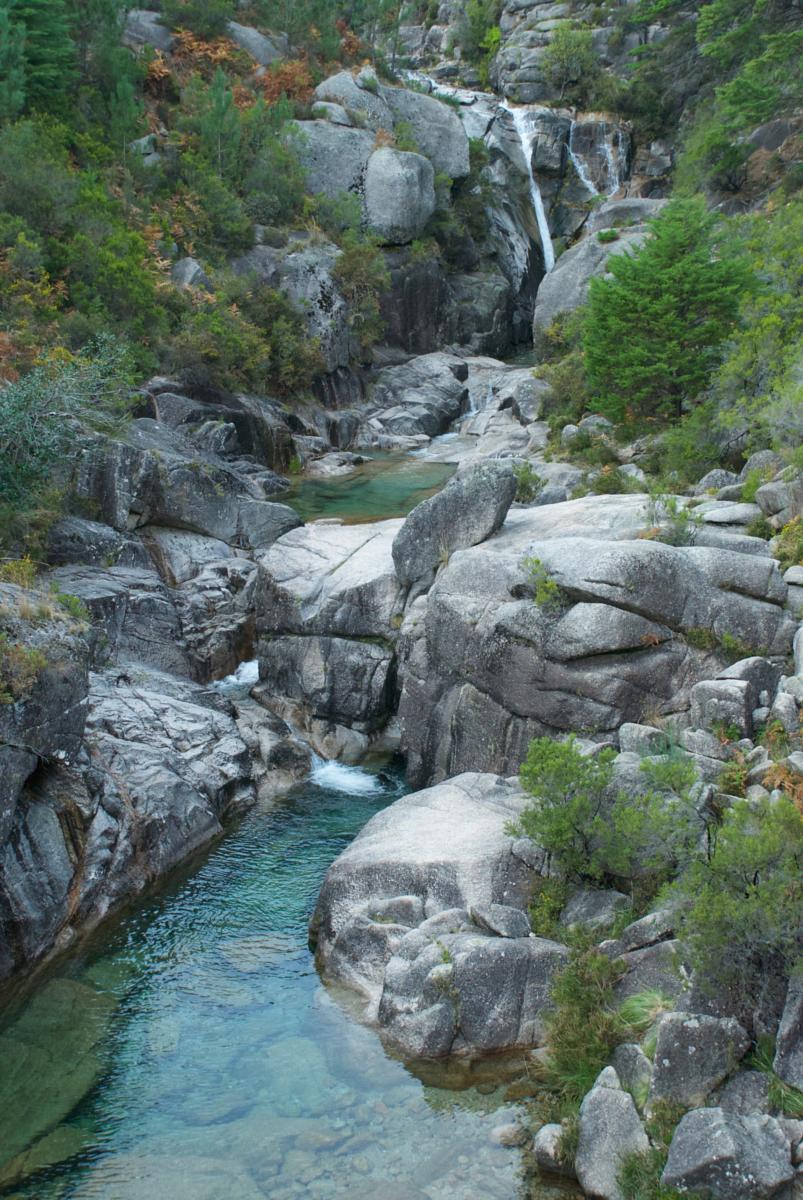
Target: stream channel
188 1050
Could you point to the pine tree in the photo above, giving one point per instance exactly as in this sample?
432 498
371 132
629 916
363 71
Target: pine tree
12 64
219 124
125 113
49 51
655 326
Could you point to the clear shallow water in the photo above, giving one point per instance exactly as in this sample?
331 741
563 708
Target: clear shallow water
191 1052
388 485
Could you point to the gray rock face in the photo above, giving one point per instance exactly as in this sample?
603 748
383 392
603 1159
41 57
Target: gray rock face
592 908
610 1129
144 28
345 89
399 194
547 1150
463 993
725 1155
419 399
566 287
789 1043
436 127
470 509
334 157
188 273
264 49
745 1093
415 872
306 276
76 540
487 669
693 1055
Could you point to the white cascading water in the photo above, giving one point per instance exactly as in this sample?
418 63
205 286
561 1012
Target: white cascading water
611 161
579 165
339 777
525 134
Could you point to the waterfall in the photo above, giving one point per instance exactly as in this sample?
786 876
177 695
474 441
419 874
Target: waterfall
602 150
579 165
525 135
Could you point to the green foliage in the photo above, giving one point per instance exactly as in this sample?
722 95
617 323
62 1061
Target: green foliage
362 276
655 327
529 483
12 64
608 235
44 414
597 836
20 667
701 638
570 63
784 1097
49 52
247 338
740 903
546 904
206 18
584 1027
640 1176
546 593
733 776
672 521
640 1012
72 605
788 544
757 394
22 571
759 527
476 25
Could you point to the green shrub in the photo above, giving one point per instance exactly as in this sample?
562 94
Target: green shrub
784 1097
701 638
546 593
72 605
608 235
206 18
760 527
740 904
529 483
673 521
20 667
546 904
788 544
362 277
733 777
44 415
22 571
583 1027
753 481
217 347
640 1176
570 62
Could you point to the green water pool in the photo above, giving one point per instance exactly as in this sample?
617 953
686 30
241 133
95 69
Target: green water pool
190 1051
386 485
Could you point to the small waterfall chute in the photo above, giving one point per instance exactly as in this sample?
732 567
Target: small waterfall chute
603 153
521 123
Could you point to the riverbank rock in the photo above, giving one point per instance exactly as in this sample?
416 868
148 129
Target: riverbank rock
419 399
693 1055
609 1130
724 1155
403 918
470 508
493 661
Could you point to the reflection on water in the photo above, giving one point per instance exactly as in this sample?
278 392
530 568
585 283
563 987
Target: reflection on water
192 1054
387 485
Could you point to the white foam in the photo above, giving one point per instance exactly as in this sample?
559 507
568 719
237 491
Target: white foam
341 778
246 675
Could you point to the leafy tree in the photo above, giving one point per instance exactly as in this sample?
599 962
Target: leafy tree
569 61
49 51
655 328
12 64
742 903
44 414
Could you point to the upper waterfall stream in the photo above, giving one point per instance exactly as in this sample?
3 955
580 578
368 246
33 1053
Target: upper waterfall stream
525 134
